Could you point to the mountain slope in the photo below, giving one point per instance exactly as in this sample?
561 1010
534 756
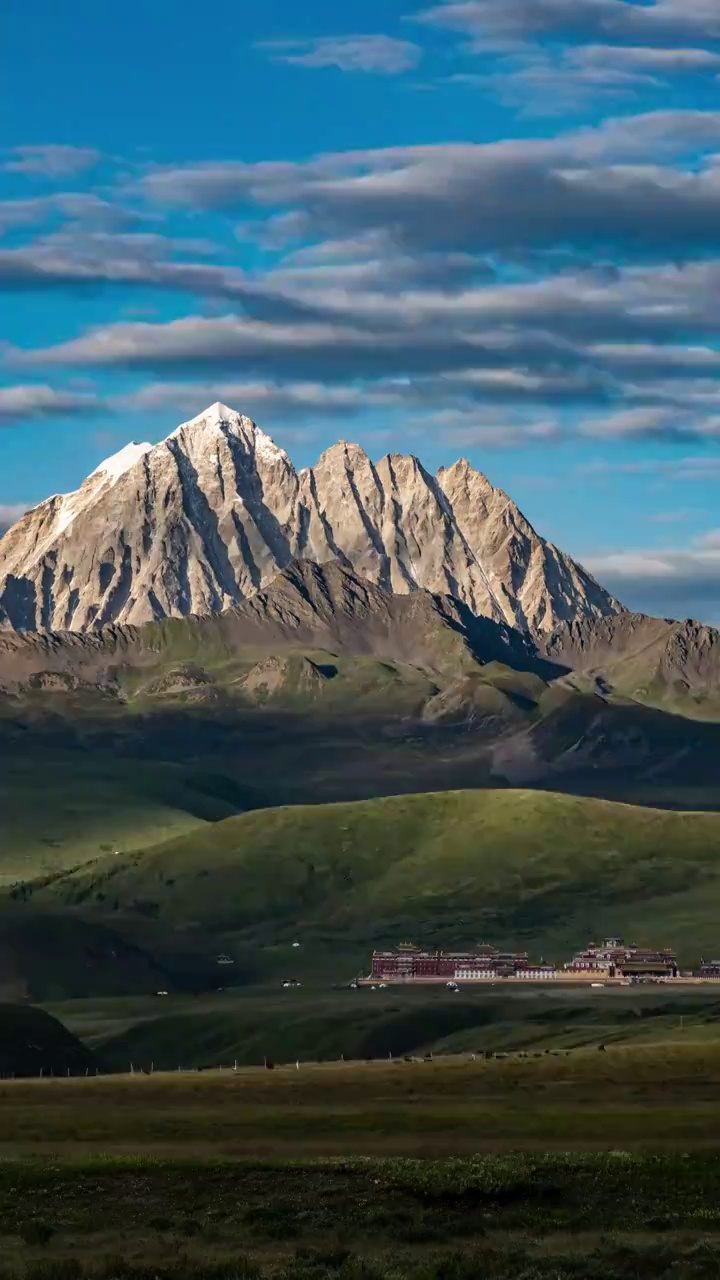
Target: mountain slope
206 518
457 866
412 691
55 956
32 1042
322 606
659 661
65 807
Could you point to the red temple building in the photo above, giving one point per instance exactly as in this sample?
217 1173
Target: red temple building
408 963
616 958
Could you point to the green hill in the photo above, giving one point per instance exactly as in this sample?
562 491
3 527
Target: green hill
539 868
53 955
59 809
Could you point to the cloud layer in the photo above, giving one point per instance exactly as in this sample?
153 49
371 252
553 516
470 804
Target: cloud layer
665 22
377 53
38 400
50 160
673 583
10 513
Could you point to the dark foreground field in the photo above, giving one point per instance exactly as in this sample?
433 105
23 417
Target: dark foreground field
582 1164
516 1216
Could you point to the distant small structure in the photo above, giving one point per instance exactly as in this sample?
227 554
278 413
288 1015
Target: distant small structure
709 970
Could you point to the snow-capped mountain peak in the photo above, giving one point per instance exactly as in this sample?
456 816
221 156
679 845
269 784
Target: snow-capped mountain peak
217 509
116 466
218 419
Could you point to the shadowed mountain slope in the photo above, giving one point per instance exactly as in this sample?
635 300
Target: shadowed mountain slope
32 1043
322 606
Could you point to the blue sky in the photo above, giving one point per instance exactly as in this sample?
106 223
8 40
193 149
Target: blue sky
488 228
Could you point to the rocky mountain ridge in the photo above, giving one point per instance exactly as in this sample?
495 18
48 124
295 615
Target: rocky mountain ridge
649 659
413 692
207 518
328 607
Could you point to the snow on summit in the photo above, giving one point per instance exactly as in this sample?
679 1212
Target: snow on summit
219 415
119 463
214 513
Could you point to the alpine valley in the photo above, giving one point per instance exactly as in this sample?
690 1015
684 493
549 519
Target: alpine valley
237 699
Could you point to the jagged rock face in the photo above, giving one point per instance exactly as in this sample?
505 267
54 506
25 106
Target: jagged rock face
208 517
327 607
637 648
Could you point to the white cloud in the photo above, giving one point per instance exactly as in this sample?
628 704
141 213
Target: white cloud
336 349
87 208
10 513
51 160
682 582
37 400
493 22
652 422
632 57
710 540
267 398
552 56
591 188
303 399
407 277
469 428
224 184
551 81
379 53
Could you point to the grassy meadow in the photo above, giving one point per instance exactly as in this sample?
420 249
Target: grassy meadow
589 1164
641 1097
59 811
